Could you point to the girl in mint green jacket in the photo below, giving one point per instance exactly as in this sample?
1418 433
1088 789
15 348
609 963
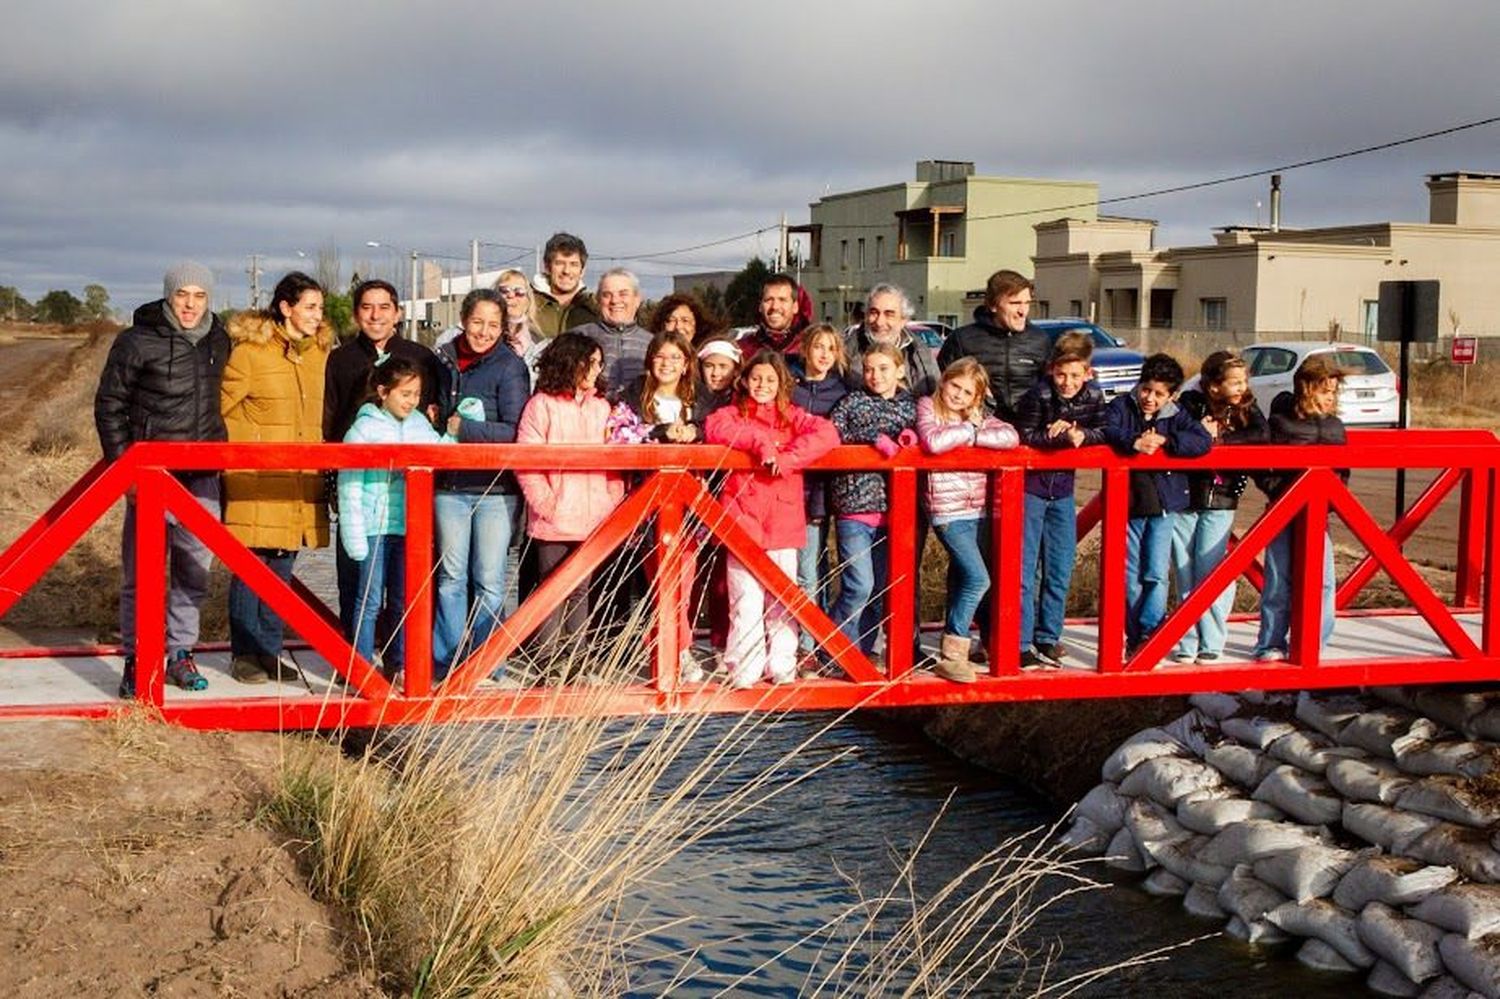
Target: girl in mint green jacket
372 501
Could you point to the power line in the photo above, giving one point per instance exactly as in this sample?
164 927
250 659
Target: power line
1217 181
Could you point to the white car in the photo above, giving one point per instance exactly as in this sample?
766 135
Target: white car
1368 398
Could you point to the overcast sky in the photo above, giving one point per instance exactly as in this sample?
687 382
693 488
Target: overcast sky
135 134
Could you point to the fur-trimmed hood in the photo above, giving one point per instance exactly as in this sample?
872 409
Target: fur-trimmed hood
258 327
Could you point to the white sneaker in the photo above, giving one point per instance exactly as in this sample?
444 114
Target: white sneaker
740 681
1270 656
688 670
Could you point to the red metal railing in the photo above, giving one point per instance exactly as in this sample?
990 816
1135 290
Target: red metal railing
672 497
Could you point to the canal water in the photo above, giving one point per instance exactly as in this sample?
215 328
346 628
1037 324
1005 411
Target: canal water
738 899
754 890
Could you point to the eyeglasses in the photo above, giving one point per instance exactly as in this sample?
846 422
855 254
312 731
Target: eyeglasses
512 292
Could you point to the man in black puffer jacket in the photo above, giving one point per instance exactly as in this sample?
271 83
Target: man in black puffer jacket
1014 352
161 383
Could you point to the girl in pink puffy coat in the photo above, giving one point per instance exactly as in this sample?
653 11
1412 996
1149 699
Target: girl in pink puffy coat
953 417
768 504
563 508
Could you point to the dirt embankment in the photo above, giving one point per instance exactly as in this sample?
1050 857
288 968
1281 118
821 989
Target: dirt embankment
133 859
133 862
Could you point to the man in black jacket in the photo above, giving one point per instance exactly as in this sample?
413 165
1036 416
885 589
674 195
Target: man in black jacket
161 382
346 382
1013 351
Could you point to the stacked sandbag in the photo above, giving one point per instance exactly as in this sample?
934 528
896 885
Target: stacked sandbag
1364 827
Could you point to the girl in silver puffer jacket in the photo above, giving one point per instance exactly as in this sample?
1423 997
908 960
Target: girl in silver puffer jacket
954 417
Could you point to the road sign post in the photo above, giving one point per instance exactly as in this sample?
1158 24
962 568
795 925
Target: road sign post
1465 352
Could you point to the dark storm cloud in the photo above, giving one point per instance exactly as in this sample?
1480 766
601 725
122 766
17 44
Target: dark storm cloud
131 135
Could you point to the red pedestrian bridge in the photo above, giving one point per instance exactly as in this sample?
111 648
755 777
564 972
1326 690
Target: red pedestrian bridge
1433 638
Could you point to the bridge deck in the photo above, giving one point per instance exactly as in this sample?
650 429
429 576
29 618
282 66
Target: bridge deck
83 682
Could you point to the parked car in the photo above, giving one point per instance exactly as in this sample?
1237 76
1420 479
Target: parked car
1370 396
1116 367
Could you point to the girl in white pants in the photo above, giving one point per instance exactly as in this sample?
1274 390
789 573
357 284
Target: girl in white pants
767 502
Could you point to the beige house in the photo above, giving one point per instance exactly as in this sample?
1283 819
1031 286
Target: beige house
938 237
1265 283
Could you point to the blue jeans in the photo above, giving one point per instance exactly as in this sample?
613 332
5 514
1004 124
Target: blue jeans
255 629
859 609
473 539
814 571
1200 540
1147 558
1276 595
970 579
1049 539
382 581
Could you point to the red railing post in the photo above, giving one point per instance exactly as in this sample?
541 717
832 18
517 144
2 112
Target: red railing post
1114 523
1007 519
1491 605
902 569
1472 516
417 614
1309 535
669 593
150 586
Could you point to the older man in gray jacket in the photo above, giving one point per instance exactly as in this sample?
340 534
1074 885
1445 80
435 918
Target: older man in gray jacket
887 311
623 339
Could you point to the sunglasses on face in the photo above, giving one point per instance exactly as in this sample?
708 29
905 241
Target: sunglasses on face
512 292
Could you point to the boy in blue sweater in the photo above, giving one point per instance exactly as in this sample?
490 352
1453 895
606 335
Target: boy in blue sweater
1148 421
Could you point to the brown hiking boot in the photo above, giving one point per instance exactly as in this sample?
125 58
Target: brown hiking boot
953 662
248 669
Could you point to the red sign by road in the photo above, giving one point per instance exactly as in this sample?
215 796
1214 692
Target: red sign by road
1465 349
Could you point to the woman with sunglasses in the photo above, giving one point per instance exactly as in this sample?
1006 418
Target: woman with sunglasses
522 334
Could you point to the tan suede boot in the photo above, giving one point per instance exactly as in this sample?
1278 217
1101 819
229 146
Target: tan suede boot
953 663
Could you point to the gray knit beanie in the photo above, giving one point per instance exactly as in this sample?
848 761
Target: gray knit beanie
188 272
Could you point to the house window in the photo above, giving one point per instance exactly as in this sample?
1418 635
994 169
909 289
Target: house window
949 319
879 251
948 244
1043 309
861 254
1215 313
843 254
1075 307
1369 315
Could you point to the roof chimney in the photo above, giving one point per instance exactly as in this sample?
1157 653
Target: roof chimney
1275 202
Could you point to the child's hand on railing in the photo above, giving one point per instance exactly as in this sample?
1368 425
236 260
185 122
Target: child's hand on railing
886 446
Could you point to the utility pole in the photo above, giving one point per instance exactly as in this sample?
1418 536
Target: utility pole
255 273
415 278
473 264
781 246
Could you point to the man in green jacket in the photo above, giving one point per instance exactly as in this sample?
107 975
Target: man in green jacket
564 304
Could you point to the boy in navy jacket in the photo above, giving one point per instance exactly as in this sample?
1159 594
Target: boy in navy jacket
1064 410
1148 421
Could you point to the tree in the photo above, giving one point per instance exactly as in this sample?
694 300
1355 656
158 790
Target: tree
13 306
59 306
328 267
96 302
742 295
338 309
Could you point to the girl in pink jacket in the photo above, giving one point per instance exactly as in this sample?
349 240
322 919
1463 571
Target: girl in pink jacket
563 508
768 504
953 417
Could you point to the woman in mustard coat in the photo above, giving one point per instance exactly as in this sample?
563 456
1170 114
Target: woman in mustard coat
273 392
